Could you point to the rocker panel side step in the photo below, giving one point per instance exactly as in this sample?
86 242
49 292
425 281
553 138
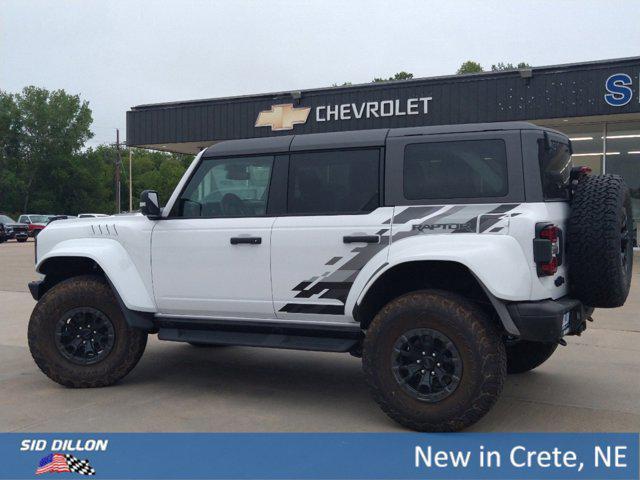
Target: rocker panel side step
315 337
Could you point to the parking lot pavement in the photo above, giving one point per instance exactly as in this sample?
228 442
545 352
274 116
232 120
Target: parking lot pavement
591 385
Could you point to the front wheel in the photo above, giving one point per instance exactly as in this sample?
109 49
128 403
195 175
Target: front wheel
78 336
21 240
434 361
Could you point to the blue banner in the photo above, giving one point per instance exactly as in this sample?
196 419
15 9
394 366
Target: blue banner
320 456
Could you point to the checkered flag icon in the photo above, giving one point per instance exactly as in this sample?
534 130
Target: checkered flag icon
79 466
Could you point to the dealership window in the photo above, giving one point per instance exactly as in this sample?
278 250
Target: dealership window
462 169
235 187
345 181
623 158
587 143
607 147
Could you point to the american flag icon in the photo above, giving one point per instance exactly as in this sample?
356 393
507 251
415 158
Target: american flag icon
60 463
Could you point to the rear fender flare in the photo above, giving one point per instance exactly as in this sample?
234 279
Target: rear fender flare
497 262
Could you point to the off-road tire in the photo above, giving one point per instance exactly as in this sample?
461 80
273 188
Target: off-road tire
83 291
477 339
595 242
523 356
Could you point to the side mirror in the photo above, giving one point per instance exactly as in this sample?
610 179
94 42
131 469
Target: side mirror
149 204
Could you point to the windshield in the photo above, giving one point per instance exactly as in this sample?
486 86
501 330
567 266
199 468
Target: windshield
5 219
555 169
39 218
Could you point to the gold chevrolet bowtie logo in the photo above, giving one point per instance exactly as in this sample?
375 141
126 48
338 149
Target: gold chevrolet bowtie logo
282 117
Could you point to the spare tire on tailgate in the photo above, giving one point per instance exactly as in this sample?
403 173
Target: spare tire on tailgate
599 245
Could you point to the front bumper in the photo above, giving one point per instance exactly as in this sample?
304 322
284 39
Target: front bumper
549 320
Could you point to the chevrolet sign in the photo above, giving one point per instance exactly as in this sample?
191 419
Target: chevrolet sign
282 117
285 116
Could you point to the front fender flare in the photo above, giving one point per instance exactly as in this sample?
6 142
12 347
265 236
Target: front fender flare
117 265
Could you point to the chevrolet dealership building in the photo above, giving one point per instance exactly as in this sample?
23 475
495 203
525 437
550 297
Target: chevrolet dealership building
597 104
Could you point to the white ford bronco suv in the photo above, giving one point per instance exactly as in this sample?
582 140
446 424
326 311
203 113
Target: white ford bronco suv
446 257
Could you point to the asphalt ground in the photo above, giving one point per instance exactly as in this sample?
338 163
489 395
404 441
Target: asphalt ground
593 384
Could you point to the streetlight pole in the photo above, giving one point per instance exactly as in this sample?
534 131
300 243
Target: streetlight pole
117 173
130 183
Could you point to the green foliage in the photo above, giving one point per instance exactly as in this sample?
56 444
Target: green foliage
500 66
41 131
398 76
474 67
44 169
469 67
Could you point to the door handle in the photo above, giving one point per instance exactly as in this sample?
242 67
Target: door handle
361 239
247 240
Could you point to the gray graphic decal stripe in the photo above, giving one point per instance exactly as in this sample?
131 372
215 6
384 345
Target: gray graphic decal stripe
309 308
495 216
411 213
337 284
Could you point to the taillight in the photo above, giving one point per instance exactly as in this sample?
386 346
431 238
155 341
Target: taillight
547 249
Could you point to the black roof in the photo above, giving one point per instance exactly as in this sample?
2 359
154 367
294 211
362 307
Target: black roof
351 139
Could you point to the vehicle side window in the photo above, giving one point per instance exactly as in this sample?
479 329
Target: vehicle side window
555 168
334 182
227 187
23 219
457 169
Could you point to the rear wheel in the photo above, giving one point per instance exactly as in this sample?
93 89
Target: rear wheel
78 336
434 361
523 355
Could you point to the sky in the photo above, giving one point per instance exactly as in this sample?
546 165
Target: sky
117 54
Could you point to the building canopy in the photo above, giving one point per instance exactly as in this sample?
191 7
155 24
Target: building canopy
573 93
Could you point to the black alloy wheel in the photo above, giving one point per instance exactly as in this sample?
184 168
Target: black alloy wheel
426 364
84 335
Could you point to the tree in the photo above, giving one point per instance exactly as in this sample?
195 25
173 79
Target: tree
474 67
469 67
9 144
41 132
398 76
500 66
152 170
44 167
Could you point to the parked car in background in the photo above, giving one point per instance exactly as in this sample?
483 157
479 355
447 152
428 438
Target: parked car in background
53 218
35 223
13 229
3 234
92 215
